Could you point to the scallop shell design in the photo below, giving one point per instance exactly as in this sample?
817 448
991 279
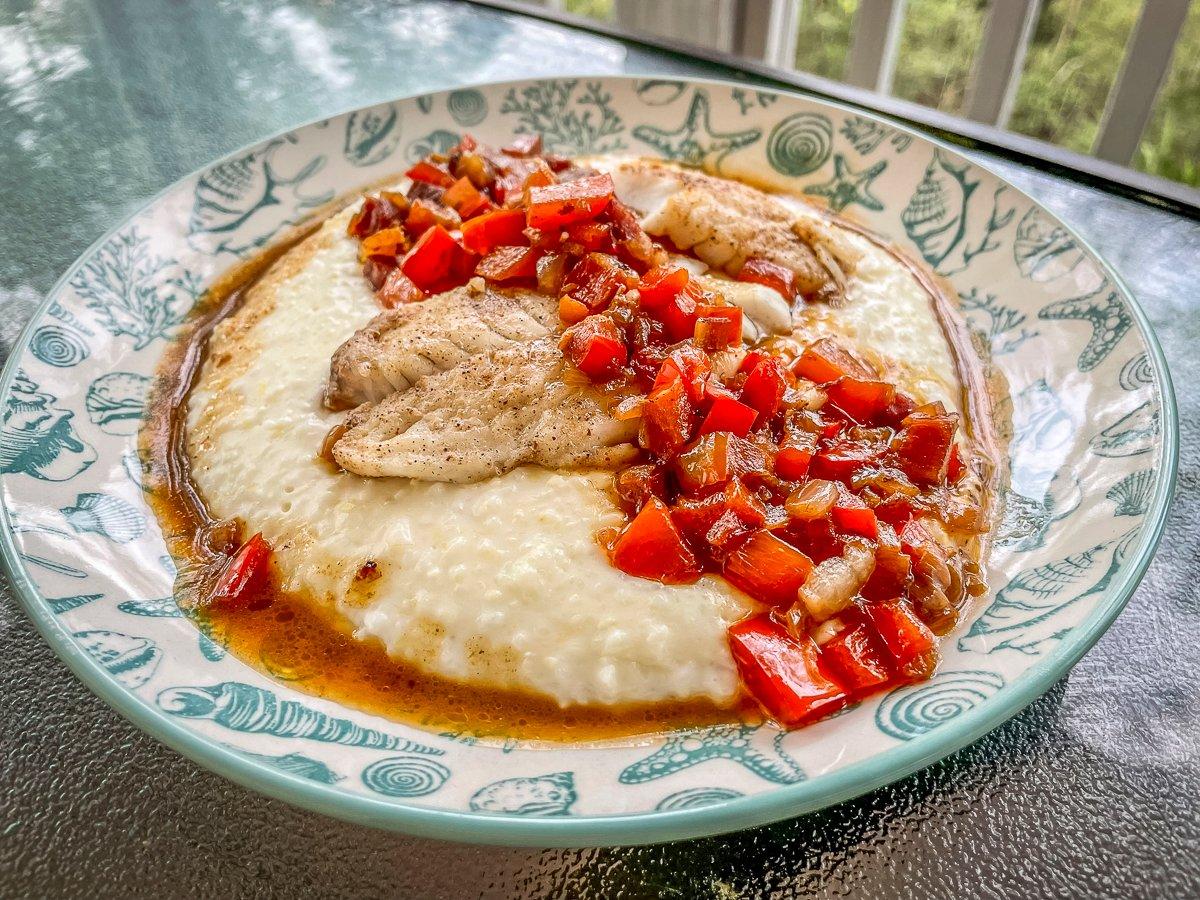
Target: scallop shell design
116 402
907 713
405 776
372 135
800 144
57 347
1132 493
544 795
249 709
1137 372
467 107
131 660
694 798
106 515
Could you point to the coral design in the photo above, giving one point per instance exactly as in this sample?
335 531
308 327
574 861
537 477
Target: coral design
116 402
246 708
694 142
106 515
543 795
909 712
1132 493
130 660
694 798
467 107
659 92
157 607
372 135
748 100
865 135
732 742
243 202
39 439
57 346
847 186
1132 434
945 225
1104 311
437 141
405 776
800 144
1137 372
997 321
134 293
297 764
60 605
569 122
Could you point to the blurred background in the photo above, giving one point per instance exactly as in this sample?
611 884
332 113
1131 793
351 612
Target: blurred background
1115 79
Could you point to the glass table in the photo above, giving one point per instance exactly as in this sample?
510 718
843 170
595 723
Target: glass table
1093 789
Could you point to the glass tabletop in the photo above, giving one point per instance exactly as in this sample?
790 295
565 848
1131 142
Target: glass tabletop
1093 789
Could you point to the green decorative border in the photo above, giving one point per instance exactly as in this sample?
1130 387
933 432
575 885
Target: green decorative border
732 814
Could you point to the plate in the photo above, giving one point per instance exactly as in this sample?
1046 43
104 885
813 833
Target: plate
1092 465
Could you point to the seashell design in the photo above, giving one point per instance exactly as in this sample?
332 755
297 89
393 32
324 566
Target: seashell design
425 103
1107 315
405 776
800 144
907 713
116 402
1132 493
157 607
297 764
467 107
694 798
438 141
246 708
1043 249
37 438
106 515
659 92
1137 372
544 795
935 215
60 605
372 135
57 347
131 660
732 742
1134 433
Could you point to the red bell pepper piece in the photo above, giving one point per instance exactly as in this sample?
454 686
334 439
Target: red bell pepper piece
772 275
596 279
713 459
596 349
398 289
431 173
660 285
855 657
501 228
740 501
667 419
728 414
437 261
922 446
826 360
783 672
696 516
424 214
509 264
906 638
954 467
842 458
465 199
852 516
863 400
242 583
571 311
765 387
680 313
768 569
795 456
718 327
556 205
590 236
652 547
635 486
689 364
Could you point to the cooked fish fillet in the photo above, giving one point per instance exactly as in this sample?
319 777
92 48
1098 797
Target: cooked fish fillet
724 222
488 415
400 346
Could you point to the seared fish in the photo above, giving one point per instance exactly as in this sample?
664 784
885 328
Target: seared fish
490 414
400 346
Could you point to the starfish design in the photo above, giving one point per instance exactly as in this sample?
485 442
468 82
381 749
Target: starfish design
682 751
1108 317
694 142
847 186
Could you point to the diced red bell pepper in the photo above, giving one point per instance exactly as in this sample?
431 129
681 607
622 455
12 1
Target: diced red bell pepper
242 583
765 386
398 289
652 547
437 261
713 459
795 456
954 467
668 418
596 349
679 314
742 502
377 213
501 228
906 638
596 279
689 364
718 327
861 399
556 205
590 236
635 486
922 446
524 145
387 242
660 285
431 173
826 360
768 569
728 414
772 275
783 672
506 264
571 311
852 516
842 458
424 214
855 657
465 199
696 516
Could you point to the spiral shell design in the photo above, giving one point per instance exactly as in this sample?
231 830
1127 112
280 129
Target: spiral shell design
908 713
405 776
693 798
800 144
57 347
1137 372
467 107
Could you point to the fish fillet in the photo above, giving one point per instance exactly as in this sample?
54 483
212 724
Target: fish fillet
490 414
400 346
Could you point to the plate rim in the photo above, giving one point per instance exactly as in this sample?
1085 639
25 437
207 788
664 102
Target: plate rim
651 826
